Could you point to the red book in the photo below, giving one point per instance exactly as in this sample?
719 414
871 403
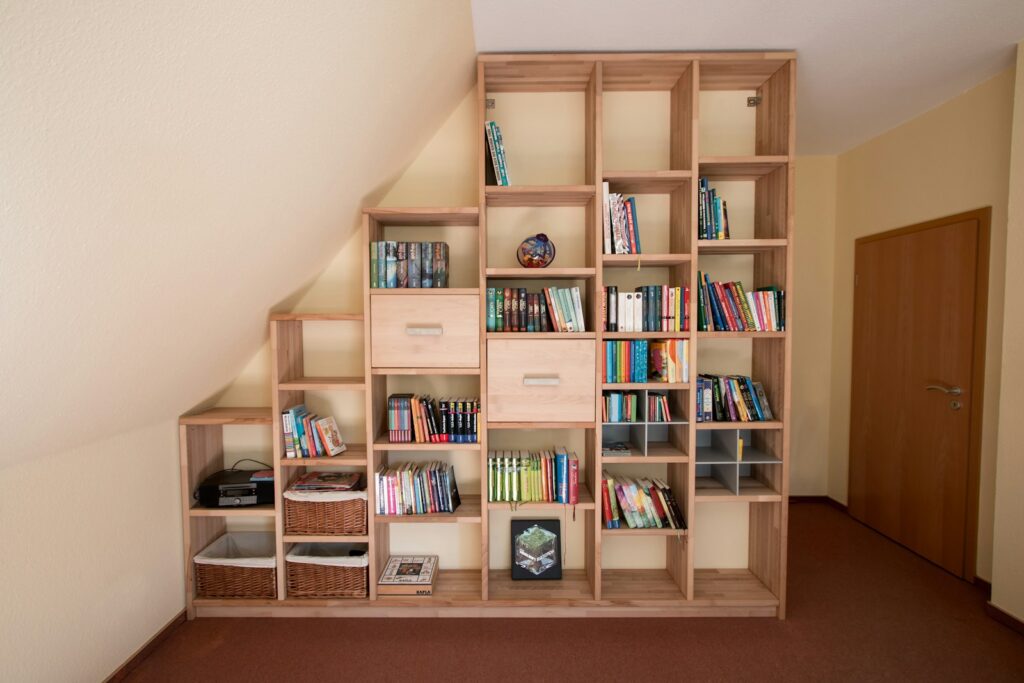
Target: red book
658 509
606 504
574 480
730 322
631 230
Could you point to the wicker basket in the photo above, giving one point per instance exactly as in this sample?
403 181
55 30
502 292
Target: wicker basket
325 571
237 565
343 517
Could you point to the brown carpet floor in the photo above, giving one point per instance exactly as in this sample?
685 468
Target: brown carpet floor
860 608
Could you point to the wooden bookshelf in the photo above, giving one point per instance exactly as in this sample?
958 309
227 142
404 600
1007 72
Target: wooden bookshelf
674 588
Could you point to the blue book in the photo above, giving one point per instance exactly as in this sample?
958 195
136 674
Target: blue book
562 460
716 309
427 264
413 250
753 398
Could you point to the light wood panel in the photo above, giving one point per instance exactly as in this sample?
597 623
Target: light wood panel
534 381
425 331
228 416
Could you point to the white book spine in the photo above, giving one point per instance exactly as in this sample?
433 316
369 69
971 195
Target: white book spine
607 221
578 306
638 311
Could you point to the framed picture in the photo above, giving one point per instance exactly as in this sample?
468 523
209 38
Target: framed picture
536 549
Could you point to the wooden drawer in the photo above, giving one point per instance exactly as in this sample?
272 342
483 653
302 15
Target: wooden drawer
425 331
546 380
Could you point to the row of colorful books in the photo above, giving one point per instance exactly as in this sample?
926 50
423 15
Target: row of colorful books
731 398
416 489
664 360
496 145
401 265
638 503
421 419
621 227
726 306
650 308
538 476
624 406
307 435
553 309
712 213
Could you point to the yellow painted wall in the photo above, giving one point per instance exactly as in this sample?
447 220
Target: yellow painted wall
1008 533
948 160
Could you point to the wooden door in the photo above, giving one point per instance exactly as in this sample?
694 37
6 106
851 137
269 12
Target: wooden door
918 357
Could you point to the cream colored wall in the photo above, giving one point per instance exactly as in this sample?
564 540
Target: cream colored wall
91 562
1008 532
951 159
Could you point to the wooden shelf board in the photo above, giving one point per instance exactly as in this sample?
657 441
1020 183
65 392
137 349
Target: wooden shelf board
264 510
539 195
586 502
647 182
228 416
420 291
541 335
426 216
425 371
645 385
639 586
724 586
541 273
467 513
732 246
334 538
355 454
323 384
644 459
276 317
768 424
382 444
723 71
644 260
749 334
740 168
540 425
573 586
643 532
451 587
710 490
645 335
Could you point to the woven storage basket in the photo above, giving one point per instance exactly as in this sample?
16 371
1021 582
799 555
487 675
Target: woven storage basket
237 565
345 517
326 571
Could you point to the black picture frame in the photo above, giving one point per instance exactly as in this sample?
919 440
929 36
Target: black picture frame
536 553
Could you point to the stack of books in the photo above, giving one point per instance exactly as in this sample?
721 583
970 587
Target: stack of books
497 148
650 308
401 265
621 406
621 228
539 476
638 503
642 361
307 435
327 481
731 398
712 213
416 489
725 306
421 419
554 309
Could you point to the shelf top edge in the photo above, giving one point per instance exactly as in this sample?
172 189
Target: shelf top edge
710 55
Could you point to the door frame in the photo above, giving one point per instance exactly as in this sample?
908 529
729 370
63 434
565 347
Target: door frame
984 218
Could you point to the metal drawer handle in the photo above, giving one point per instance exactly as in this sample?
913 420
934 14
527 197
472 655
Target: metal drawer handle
541 380
415 330
952 391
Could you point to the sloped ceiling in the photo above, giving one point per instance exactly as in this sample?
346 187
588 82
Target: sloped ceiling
172 170
865 66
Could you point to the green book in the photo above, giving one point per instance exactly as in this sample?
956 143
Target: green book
373 265
499 310
490 309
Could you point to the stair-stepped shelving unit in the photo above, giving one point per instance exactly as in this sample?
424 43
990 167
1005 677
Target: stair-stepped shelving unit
693 457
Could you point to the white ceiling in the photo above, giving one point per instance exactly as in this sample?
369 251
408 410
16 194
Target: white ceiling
865 66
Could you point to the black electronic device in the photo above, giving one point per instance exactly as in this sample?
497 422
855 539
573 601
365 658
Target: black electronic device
233 488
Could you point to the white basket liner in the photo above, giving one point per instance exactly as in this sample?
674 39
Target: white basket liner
324 496
331 554
253 549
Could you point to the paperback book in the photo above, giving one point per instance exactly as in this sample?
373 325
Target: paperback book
421 419
638 503
538 476
636 361
553 309
731 398
307 435
727 306
649 308
620 224
712 213
416 489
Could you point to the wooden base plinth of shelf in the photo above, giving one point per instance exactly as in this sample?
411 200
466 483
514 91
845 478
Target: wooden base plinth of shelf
625 593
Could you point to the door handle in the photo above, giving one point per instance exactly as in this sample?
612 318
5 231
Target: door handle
952 391
420 330
541 380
